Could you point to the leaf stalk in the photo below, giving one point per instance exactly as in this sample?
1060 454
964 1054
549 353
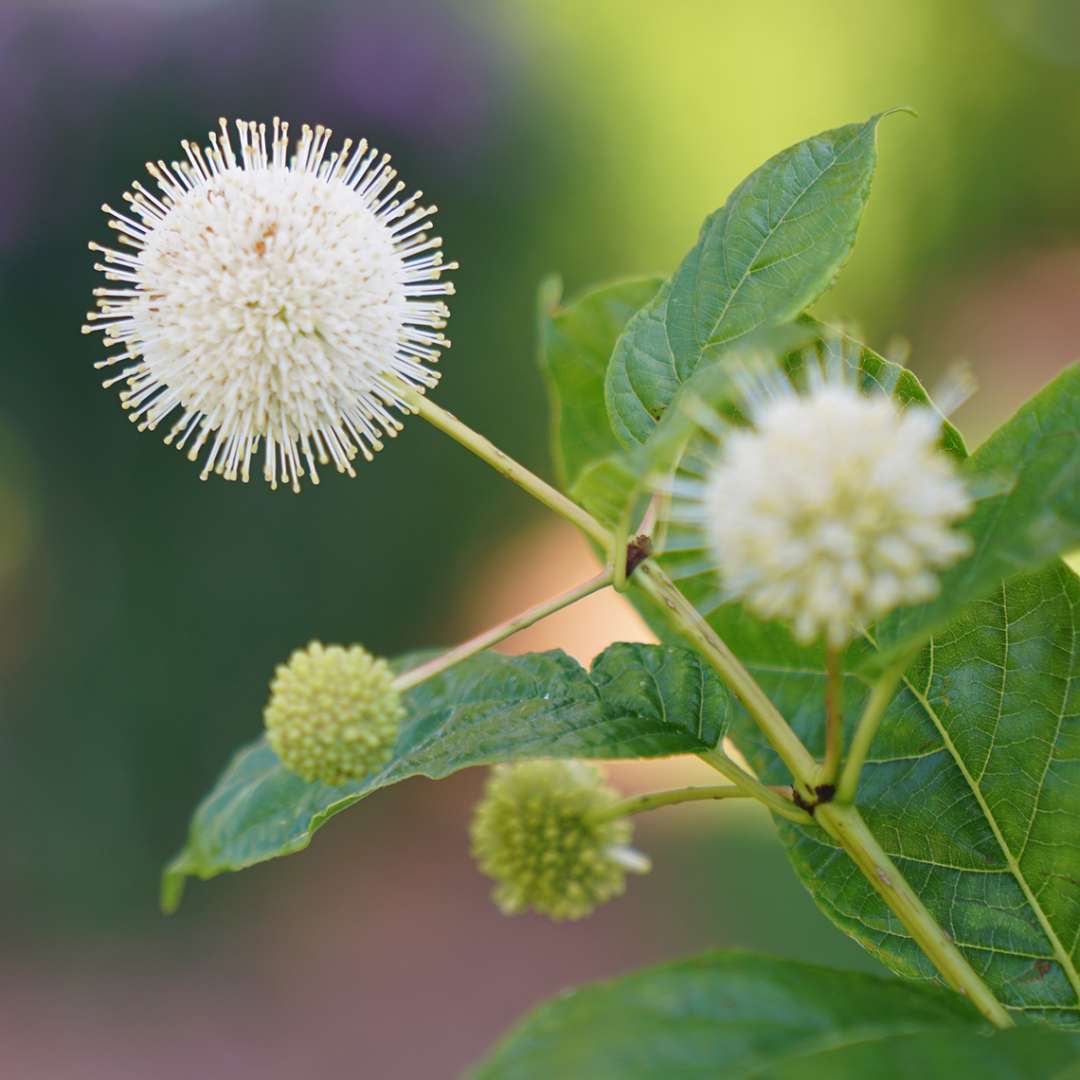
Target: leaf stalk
654 800
443 662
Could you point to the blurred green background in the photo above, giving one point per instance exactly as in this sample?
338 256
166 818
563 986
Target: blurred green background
141 611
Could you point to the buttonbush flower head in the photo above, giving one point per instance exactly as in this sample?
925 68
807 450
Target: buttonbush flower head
536 833
334 713
274 298
832 508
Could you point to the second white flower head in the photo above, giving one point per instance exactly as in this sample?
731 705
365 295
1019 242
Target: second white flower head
834 508
272 298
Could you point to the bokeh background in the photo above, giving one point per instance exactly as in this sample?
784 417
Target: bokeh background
141 611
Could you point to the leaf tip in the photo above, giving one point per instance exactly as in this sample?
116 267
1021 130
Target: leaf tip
173 880
549 294
909 109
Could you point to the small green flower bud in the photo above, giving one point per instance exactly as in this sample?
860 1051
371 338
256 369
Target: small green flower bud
538 833
333 713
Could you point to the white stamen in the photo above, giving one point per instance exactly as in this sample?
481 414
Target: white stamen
272 300
835 506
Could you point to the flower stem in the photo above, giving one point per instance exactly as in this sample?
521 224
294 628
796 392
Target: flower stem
834 720
880 696
847 827
772 797
638 804
502 463
408 679
843 823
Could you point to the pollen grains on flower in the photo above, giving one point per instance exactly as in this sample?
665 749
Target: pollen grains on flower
334 713
540 833
272 302
832 508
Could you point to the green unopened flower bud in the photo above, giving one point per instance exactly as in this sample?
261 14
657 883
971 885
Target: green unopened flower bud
334 713
539 832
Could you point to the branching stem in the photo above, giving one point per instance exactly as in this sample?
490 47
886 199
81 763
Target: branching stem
648 576
846 826
843 823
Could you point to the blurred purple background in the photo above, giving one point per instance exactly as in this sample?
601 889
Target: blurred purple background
141 612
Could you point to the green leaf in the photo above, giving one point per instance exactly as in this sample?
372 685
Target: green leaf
739 1016
637 701
606 488
576 341
1032 466
980 806
617 488
972 787
974 782
768 253
640 382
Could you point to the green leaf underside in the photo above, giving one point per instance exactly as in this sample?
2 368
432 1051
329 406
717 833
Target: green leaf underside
637 701
768 253
973 788
605 488
740 1016
575 344
1033 464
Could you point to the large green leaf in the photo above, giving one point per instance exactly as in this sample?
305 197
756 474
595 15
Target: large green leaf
1028 474
637 701
768 253
973 788
974 784
740 1016
576 341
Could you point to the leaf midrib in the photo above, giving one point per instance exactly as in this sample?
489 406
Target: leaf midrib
746 274
1060 954
1012 864
830 1042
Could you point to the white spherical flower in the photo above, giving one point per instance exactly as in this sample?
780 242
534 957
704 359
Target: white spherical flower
274 301
832 509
